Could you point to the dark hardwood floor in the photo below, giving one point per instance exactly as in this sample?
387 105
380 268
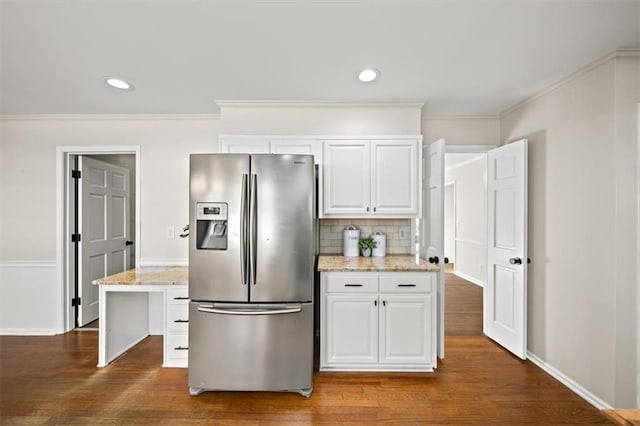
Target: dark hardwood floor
53 380
463 306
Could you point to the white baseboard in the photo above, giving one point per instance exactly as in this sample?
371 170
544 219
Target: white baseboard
469 278
568 382
27 332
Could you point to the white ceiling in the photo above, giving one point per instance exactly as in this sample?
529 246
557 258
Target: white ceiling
461 57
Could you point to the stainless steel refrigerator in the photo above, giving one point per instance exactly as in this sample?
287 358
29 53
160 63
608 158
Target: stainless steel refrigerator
251 270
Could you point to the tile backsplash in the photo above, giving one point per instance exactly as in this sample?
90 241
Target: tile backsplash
331 233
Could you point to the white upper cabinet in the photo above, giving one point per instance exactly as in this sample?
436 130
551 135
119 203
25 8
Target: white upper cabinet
394 177
244 146
347 182
364 178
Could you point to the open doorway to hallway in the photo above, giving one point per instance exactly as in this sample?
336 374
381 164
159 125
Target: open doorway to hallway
67 257
465 248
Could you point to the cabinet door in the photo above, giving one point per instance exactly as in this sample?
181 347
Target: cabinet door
299 147
244 146
352 329
346 177
394 175
405 332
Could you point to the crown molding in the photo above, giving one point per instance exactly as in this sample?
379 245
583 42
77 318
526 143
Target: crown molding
312 104
460 117
106 117
627 52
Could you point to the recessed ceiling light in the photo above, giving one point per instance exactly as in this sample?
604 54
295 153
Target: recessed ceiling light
368 75
118 83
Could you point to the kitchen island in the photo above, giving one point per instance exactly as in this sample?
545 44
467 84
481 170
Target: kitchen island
378 313
124 312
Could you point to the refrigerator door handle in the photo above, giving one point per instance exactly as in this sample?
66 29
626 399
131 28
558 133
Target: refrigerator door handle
253 229
251 312
243 229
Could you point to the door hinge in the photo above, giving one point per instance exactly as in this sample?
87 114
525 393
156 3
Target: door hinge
75 238
76 174
76 301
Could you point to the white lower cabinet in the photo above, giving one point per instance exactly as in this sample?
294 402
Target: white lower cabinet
352 323
404 334
176 330
378 321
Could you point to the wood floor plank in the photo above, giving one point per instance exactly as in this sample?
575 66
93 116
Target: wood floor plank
54 380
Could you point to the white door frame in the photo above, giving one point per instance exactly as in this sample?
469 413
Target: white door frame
65 319
452 183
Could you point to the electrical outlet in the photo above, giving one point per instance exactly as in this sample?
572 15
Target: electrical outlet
171 232
402 234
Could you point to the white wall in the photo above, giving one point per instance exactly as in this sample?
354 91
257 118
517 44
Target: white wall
283 118
28 183
470 208
583 219
462 130
28 176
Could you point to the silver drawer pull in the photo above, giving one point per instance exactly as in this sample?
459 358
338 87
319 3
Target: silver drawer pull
180 320
353 285
180 298
181 348
406 285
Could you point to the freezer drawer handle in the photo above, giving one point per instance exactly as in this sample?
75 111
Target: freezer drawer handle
180 298
181 348
265 312
180 320
353 285
406 285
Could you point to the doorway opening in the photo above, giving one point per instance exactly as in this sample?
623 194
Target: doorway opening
465 243
98 209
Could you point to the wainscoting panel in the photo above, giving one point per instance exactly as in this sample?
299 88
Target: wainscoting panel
29 298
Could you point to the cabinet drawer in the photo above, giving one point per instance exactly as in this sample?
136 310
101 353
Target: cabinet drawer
178 296
352 283
178 319
406 283
177 346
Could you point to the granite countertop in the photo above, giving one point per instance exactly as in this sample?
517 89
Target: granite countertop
169 275
401 262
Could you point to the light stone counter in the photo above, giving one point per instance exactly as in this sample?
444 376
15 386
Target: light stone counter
171 275
401 262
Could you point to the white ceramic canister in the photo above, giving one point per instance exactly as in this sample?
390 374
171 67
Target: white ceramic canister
381 244
350 239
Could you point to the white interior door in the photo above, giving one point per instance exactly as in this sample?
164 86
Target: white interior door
505 304
432 228
103 221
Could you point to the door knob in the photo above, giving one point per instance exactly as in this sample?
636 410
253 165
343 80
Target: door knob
515 261
128 243
434 260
